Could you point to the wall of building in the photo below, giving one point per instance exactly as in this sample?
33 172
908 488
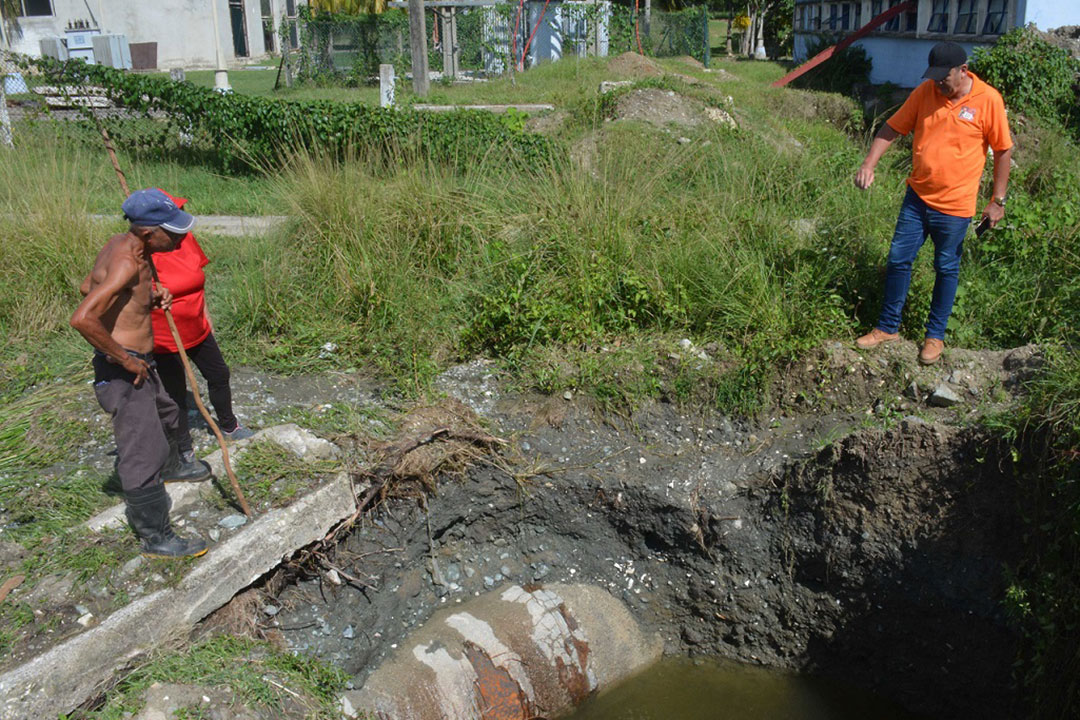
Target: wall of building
899 56
182 29
900 61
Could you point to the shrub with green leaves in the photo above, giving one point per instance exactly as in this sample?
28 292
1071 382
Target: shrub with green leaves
243 131
1035 77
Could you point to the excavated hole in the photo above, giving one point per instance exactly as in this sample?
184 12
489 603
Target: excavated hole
877 560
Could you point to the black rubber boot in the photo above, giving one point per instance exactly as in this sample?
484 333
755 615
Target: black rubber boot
148 513
184 469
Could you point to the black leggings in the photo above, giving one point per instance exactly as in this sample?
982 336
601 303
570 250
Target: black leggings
207 357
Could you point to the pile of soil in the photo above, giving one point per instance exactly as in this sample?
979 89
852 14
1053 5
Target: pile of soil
660 108
632 65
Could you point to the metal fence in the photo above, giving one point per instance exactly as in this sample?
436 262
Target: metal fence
477 39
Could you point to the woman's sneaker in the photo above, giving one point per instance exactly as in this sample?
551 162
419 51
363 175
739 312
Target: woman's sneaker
238 433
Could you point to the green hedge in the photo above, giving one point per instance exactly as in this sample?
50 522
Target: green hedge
240 131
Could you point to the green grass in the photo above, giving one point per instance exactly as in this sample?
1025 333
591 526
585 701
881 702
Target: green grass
274 476
240 665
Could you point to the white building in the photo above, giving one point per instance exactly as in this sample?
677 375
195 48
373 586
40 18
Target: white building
899 49
161 34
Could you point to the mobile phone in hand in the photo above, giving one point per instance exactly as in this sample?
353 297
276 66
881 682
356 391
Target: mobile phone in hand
982 227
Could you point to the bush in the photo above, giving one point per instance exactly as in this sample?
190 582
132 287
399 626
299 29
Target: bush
243 131
1035 77
844 70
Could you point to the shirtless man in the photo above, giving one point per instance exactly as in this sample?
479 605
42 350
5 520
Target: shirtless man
114 317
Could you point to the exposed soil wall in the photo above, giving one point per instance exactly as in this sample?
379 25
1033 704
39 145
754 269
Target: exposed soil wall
877 559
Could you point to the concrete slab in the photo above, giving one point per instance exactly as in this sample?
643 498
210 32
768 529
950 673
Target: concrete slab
530 108
228 225
63 677
304 443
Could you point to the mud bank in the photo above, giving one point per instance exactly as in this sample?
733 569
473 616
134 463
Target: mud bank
875 558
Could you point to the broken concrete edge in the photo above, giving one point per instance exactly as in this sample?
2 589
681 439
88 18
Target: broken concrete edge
303 443
521 107
230 225
65 676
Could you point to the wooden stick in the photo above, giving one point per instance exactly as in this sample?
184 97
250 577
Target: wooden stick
180 345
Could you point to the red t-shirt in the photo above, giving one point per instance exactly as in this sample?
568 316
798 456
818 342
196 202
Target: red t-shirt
181 272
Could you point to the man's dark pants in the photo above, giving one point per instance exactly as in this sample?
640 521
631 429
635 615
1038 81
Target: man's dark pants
141 416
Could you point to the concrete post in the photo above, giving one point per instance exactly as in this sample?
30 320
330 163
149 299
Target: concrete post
221 75
418 47
5 121
386 85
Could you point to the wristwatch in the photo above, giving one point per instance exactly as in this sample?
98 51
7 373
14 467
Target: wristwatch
1000 201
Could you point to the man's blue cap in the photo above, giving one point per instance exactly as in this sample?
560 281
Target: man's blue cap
153 208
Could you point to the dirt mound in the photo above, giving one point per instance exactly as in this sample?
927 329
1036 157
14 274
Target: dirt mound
631 64
691 61
660 108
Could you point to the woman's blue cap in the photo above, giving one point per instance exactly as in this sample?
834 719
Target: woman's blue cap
153 208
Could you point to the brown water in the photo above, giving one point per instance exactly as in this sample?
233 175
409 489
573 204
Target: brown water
683 689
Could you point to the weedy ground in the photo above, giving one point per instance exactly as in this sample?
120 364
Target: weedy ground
583 273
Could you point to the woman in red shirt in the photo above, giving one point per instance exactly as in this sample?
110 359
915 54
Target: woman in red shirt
181 271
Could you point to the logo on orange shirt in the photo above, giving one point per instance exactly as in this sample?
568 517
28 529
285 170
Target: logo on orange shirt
967 113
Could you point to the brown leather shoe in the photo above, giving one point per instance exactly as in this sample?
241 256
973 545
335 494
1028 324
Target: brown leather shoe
931 351
874 338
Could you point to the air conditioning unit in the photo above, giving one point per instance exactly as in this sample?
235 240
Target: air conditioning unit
54 47
112 51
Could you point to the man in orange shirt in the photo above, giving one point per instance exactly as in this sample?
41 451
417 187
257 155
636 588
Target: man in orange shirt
955 117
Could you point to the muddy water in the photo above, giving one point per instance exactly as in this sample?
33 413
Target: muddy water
713 690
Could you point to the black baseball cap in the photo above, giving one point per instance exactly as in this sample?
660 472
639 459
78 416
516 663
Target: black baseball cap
944 57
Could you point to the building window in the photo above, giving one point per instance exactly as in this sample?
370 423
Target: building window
33 8
833 16
965 17
858 16
995 18
290 18
802 18
939 17
894 24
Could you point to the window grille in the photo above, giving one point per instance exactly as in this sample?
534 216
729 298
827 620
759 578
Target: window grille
939 17
995 18
965 17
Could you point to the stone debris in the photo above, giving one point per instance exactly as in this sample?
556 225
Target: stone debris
231 522
944 396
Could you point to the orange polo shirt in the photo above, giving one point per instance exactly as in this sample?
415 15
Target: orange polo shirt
949 146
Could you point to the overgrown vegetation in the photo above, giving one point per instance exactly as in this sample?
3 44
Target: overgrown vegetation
582 271
242 132
1035 77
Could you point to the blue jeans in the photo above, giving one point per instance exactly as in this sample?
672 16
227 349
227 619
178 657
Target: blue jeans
915 222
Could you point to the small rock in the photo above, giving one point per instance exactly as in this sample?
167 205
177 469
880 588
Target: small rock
944 396
132 565
541 571
214 534
453 572
82 609
913 391
505 570
85 619
231 522
348 633
526 447
271 610
568 395
489 582
469 571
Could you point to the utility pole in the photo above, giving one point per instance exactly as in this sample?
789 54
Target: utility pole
221 75
418 47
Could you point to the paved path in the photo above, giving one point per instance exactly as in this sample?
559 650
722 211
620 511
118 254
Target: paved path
231 225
